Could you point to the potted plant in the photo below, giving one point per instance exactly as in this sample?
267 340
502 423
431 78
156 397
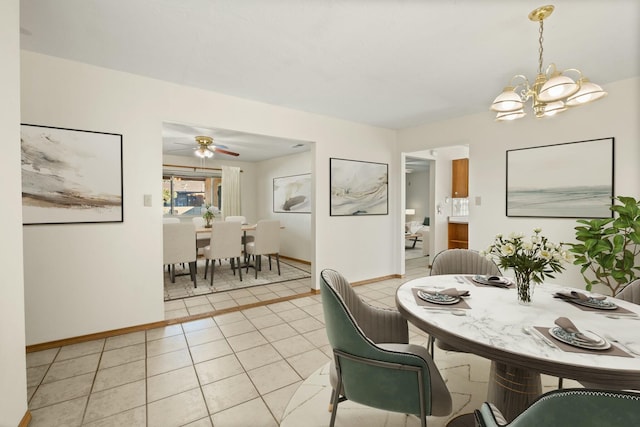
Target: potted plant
608 248
208 215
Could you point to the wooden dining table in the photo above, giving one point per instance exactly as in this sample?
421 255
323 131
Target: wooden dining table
492 324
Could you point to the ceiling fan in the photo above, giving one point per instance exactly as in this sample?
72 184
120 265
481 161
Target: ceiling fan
206 148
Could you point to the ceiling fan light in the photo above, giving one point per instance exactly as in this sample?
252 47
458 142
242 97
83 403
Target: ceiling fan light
557 87
507 101
204 153
588 92
511 115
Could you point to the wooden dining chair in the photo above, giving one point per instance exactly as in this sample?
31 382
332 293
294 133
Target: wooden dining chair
225 243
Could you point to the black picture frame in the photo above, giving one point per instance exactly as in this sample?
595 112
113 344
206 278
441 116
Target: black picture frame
358 187
567 180
70 176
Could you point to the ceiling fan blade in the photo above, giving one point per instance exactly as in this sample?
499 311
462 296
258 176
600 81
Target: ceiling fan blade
220 150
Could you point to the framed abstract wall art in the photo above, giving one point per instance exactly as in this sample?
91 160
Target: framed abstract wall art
70 175
358 188
292 194
570 180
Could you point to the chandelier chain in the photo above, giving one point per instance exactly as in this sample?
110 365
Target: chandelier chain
540 49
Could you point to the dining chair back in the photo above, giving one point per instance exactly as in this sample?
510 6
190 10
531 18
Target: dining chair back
412 383
267 242
462 261
459 261
631 292
178 243
199 222
225 242
570 407
236 218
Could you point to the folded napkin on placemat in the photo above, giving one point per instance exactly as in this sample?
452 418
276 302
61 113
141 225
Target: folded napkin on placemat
419 301
452 292
578 295
497 281
614 350
568 326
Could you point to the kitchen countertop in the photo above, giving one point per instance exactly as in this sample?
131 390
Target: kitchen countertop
459 219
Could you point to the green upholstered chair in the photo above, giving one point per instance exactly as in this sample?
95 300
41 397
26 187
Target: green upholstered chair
373 363
571 407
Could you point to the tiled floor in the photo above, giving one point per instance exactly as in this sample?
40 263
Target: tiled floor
236 369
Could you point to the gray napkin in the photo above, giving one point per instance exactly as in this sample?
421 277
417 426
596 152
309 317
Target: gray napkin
568 326
579 295
452 292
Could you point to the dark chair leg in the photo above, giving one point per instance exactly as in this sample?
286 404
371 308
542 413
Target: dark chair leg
213 268
232 261
239 269
206 267
173 273
269 262
257 263
193 270
278 262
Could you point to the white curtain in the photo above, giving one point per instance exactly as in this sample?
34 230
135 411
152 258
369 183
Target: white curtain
230 191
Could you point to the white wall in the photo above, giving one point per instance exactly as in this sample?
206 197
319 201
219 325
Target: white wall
13 382
614 116
85 278
295 238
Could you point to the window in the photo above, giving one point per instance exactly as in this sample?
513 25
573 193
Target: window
188 196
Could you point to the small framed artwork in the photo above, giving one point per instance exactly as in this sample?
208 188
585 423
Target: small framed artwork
570 180
292 194
70 175
358 187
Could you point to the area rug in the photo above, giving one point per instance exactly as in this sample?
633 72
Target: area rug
224 280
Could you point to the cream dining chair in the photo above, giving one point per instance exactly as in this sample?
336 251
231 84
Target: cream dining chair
179 247
267 242
224 243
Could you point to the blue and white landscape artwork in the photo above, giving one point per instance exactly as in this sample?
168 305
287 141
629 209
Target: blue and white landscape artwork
573 180
358 188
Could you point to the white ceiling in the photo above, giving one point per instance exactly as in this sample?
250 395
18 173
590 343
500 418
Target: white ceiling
389 63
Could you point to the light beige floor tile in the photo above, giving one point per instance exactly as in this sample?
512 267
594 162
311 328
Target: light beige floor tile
115 400
124 340
246 341
164 332
318 337
281 306
268 296
174 305
302 302
217 369
200 309
192 302
307 363
266 321
68 413
225 304
166 345
306 325
203 422
175 314
278 332
119 375
59 391
198 324
30 392
223 319
273 376
170 383
293 314
258 356
315 309
278 400
36 374
136 417
177 410
253 413
81 349
122 355
39 358
72 367
210 350
293 345
236 328
219 297
168 362
228 392
247 300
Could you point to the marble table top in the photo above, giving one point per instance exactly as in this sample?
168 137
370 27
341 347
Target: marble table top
494 325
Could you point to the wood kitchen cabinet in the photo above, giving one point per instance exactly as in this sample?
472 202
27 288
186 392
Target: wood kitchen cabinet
460 178
458 236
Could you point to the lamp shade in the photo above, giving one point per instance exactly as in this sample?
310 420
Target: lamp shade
588 92
553 108
508 100
511 115
409 211
557 87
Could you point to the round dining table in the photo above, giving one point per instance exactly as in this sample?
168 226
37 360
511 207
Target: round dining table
492 324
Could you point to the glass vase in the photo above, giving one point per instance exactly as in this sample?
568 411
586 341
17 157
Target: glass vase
524 287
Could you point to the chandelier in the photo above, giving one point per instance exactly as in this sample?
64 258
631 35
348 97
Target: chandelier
552 92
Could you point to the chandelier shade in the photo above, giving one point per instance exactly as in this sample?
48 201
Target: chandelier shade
552 92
